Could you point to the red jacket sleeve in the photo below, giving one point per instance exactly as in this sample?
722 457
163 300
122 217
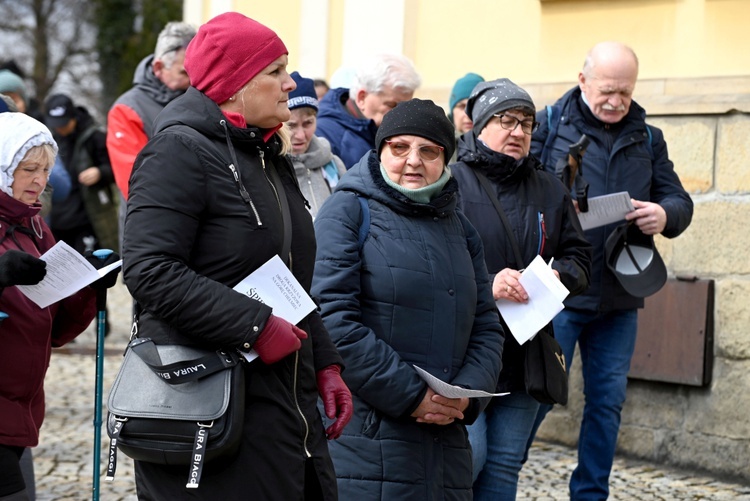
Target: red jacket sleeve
125 139
74 314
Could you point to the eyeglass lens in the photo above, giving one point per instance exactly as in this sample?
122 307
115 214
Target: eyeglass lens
510 123
426 152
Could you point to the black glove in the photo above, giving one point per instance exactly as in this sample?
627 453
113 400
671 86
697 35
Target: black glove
20 268
108 280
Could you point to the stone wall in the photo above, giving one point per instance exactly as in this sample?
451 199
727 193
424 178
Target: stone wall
704 428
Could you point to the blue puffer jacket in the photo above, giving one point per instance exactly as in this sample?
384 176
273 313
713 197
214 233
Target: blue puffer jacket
416 293
350 137
636 161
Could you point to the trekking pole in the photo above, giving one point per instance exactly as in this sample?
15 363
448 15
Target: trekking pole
101 315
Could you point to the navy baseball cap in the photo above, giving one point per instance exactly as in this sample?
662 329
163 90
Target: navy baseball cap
633 258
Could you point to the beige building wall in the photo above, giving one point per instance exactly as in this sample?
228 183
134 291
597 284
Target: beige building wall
532 42
695 84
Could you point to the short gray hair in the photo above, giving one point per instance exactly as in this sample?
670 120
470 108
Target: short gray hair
376 73
176 35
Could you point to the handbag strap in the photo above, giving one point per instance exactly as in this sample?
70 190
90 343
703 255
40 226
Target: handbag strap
499 208
185 371
286 217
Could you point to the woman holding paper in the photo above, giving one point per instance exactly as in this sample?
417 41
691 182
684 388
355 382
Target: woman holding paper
402 284
212 198
540 213
27 153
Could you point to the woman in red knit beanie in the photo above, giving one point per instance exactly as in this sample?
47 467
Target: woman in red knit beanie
212 198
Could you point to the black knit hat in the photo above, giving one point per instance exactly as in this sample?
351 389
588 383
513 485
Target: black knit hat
418 117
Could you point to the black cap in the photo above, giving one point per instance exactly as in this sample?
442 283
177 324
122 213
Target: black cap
634 260
418 117
59 109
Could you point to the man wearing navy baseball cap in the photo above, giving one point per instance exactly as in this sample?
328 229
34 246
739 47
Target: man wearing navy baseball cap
87 219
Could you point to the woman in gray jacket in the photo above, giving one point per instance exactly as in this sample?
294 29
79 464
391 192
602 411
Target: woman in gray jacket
318 170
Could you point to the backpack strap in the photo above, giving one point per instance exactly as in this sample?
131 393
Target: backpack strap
79 144
553 119
364 226
650 140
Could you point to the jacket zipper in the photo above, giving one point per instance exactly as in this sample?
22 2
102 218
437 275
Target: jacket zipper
296 354
275 192
299 409
237 179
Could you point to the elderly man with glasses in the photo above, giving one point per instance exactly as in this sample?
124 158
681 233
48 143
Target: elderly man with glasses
494 166
349 117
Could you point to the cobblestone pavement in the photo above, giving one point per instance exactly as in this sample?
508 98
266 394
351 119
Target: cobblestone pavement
63 461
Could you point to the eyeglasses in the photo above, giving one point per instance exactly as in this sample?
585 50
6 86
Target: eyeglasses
173 48
510 123
426 152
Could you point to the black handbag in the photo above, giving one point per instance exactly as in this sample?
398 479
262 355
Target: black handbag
545 376
176 405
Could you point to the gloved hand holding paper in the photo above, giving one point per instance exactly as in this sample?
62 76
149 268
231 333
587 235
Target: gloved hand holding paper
67 273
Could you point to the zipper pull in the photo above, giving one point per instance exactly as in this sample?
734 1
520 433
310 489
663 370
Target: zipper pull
243 192
234 171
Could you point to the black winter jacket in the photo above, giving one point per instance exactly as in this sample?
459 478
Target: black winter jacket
634 160
189 238
415 293
71 213
544 223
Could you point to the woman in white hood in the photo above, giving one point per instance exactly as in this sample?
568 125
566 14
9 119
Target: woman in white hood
28 332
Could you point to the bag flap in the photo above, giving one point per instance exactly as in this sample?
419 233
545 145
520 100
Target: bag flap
138 392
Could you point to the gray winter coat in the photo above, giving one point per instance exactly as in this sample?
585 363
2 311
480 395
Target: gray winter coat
314 168
417 293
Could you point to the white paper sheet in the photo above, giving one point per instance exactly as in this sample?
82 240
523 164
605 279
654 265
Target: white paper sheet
450 391
606 209
67 273
546 296
274 285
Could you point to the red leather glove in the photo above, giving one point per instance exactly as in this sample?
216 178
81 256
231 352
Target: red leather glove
337 399
278 339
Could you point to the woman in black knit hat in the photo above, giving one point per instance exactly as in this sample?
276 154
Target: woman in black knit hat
401 282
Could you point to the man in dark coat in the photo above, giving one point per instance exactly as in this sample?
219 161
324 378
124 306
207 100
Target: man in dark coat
87 219
349 118
625 154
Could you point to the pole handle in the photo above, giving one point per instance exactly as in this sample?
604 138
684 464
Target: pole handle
103 253
101 295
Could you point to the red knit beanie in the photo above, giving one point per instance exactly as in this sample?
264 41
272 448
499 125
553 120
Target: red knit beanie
227 52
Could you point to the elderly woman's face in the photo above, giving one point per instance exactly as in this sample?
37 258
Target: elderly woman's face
29 179
505 133
263 102
412 161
